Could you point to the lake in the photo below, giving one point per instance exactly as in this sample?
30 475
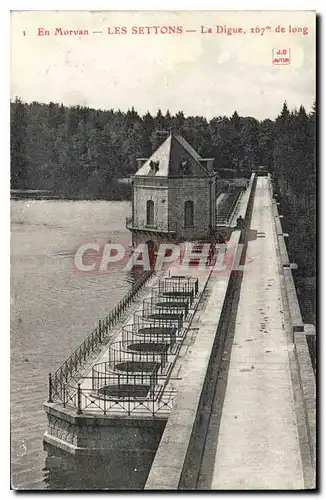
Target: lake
53 309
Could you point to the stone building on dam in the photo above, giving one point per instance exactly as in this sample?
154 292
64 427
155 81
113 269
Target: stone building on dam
174 195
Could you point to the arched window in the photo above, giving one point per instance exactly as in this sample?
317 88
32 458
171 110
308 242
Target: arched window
150 213
189 213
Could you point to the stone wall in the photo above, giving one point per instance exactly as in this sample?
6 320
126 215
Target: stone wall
80 434
169 196
154 189
200 190
306 376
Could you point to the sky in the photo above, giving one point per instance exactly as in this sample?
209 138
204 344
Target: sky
208 74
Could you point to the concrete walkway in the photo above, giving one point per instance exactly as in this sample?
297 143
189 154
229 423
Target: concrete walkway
254 443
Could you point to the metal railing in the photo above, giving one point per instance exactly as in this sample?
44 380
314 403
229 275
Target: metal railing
162 227
157 399
160 305
155 318
119 385
227 206
100 334
120 358
178 286
165 301
135 376
141 332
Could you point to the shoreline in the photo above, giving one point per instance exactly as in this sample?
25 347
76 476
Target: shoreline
34 196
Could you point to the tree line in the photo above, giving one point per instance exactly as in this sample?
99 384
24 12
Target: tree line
294 169
79 152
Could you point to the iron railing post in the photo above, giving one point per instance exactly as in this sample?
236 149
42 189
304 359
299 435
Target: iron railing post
153 398
50 400
79 410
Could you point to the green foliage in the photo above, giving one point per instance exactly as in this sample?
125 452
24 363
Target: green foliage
81 152
18 150
294 167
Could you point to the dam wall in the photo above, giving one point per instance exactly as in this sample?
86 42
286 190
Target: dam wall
177 461
300 333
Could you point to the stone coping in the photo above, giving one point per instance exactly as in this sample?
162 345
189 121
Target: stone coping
295 313
306 374
244 208
294 308
308 389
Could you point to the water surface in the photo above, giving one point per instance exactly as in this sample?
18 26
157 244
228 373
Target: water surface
52 310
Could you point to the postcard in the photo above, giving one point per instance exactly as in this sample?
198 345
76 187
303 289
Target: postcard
163 250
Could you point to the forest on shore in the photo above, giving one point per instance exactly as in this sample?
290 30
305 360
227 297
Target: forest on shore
78 152
75 152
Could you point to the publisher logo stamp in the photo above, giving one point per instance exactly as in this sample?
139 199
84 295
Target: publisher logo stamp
281 57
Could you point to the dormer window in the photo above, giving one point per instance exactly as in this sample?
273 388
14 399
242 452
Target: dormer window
185 168
155 165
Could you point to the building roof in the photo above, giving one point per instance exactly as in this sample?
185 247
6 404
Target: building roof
174 157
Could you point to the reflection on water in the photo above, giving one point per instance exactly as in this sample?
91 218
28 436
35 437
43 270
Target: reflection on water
53 309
